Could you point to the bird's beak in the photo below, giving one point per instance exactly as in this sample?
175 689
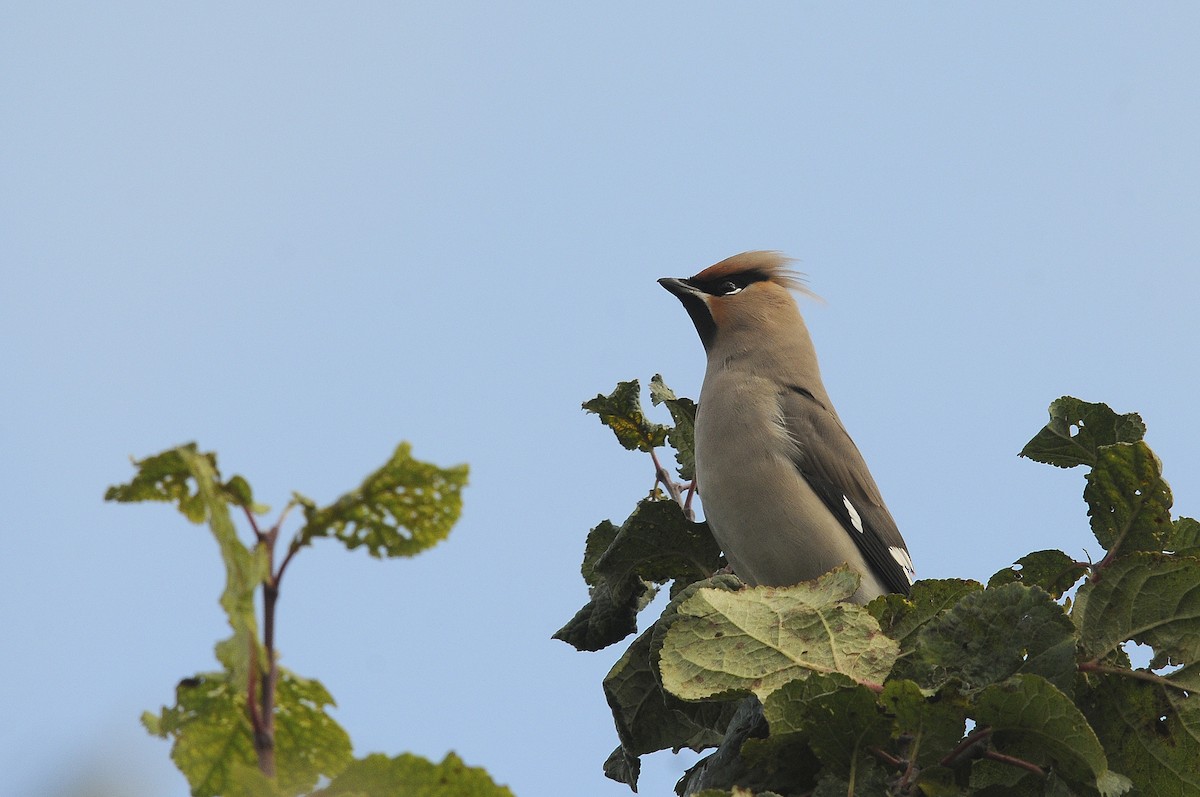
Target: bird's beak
680 288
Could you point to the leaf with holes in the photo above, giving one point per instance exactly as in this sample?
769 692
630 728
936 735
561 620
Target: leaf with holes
1053 571
1078 429
401 509
988 636
1149 598
622 412
1031 719
1128 502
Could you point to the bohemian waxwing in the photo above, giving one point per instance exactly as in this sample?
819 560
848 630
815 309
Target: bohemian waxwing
785 490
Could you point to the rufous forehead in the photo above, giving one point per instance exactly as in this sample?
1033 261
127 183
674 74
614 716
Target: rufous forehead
764 265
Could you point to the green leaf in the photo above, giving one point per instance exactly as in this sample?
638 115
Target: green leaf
1129 503
934 724
247 780
622 412
213 736
191 479
1053 571
1150 734
623 767
599 540
866 779
656 543
1031 719
1077 430
902 617
1184 537
650 719
401 509
988 636
682 436
412 776
786 709
165 477
1148 598
759 638
608 617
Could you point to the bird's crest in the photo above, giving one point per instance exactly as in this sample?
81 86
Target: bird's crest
767 265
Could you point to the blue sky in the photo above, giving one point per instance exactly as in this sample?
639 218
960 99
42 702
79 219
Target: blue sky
300 233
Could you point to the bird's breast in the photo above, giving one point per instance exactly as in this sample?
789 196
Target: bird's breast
772 526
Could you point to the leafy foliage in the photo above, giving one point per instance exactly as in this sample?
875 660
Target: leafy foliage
213 738
254 729
400 510
957 689
412 776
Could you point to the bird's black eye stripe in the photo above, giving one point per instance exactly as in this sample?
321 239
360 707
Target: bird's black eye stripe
727 286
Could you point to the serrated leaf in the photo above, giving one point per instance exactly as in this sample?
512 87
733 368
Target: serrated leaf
988 636
1030 717
1053 571
1151 735
1149 598
166 476
934 724
836 718
599 539
646 717
622 412
623 767
213 736
403 508
412 776
786 708
867 779
759 638
902 617
658 543
606 618
1077 430
1184 537
682 436
246 780
1129 503
725 768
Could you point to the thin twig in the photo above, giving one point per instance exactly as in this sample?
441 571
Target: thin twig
292 549
969 741
1014 761
258 533
1141 675
887 758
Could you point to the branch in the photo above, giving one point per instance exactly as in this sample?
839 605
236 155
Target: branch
258 533
663 476
887 758
975 736
1141 675
1014 761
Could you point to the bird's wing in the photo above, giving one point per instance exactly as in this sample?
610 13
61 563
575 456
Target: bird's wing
828 459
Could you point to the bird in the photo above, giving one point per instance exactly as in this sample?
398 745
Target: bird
784 489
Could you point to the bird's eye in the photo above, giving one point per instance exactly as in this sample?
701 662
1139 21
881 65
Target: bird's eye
728 288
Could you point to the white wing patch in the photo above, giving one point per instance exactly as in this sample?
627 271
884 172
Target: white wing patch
854 518
905 561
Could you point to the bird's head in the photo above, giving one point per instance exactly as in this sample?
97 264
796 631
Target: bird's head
747 294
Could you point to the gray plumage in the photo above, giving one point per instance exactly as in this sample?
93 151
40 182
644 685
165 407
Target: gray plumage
785 490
